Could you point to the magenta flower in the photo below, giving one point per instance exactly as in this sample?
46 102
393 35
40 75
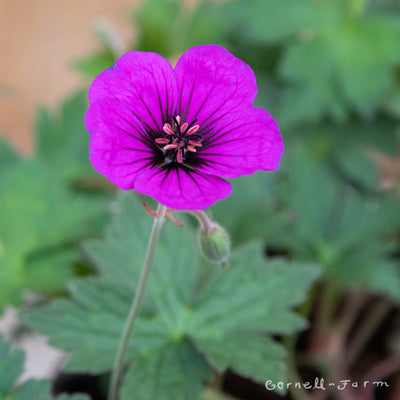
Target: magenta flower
175 133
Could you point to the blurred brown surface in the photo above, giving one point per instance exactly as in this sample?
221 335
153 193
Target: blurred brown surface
39 39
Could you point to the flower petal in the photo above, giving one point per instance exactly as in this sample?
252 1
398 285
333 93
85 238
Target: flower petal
144 82
213 83
182 190
118 146
242 144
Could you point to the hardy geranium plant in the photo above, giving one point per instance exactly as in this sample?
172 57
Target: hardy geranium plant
174 134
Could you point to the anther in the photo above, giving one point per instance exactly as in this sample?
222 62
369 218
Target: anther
167 128
162 140
179 156
195 144
193 129
178 141
170 146
184 127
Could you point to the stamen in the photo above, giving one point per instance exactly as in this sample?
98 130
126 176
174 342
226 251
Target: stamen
184 127
167 128
193 129
162 140
195 144
179 156
170 146
177 139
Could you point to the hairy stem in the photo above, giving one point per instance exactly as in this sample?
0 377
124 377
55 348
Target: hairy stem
354 303
367 328
135 307
325 310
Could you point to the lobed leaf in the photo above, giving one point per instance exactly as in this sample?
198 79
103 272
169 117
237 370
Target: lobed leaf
36 234
194 316
62 139
339 228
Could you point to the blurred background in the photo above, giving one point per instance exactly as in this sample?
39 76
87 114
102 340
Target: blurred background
329 73
39 41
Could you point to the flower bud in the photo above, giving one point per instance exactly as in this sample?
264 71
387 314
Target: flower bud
214 244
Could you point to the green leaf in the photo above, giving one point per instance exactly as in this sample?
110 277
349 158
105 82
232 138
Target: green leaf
40 269
62 139
11 367
258 299
8 156
331 54
179 371
169 28
157 20
255 214
160 363
92 65
383 5
367 50
266 17
337 227
40 220
122 250
193 315
41 390
392 102
212 394
209 23
358 52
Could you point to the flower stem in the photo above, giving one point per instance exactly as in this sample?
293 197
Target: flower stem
376 314
135 307
326 306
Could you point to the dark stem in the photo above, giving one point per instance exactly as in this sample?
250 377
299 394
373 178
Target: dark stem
366 329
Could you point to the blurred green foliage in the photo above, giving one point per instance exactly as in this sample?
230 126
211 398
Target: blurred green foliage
11 367
42 216
193 314
329 72
62 140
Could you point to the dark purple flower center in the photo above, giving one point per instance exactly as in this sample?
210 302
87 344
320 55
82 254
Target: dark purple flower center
178 140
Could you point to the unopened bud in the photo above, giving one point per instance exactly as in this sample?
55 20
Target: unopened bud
215 244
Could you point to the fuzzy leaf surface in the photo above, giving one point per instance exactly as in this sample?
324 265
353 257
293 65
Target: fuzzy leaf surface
338 227
40 218
331 54
194 317
63 139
